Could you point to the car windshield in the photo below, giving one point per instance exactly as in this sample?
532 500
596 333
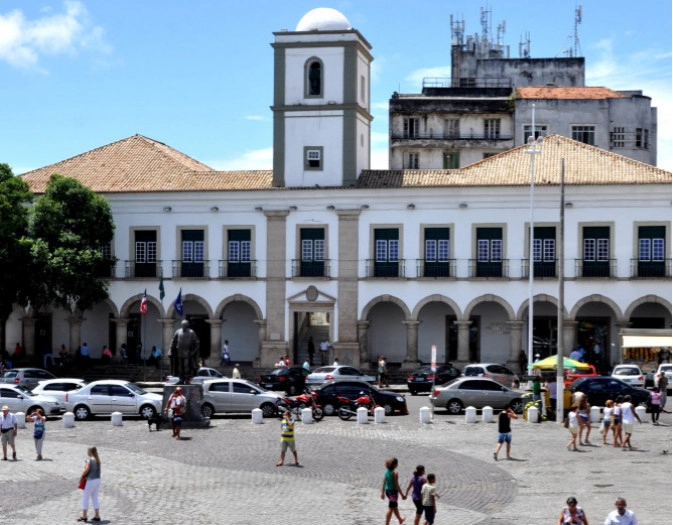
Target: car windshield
627 372
10 373
135 389
473 371
24 390
665 368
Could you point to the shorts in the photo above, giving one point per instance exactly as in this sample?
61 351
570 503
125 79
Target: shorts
628 428
429 514
177 421
606 423
574 429
584 417
506 437
419 506
392 499
8 437
618 420
284 445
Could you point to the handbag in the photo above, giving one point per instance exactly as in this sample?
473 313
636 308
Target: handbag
82 482
612 421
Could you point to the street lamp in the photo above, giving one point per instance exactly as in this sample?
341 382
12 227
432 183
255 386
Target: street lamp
534 147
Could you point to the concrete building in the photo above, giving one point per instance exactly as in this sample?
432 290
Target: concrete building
379 262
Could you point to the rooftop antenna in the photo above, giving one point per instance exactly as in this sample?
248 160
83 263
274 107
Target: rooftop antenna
524 46
577 50
485 23
457 31
501 34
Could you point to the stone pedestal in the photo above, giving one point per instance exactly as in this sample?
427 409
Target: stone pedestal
193 417
487 414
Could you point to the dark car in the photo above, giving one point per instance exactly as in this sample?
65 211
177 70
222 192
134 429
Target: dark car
600 388
327 396
28 377
422 379
291 379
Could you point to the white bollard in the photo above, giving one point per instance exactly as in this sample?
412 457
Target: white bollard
379 415
257 416
307 415
470 415
595 414
487 414
68 420
533 413
426 415
641 411
116 419
362 416
20 419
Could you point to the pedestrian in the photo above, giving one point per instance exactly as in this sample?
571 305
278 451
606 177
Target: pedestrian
415 485
281 362
622 515
236 372
287 439
287 360
226 358
571 514
628 413
306 366
391 489
617 415
39 419
573 427
505 431
336 362
429 495
580 399
10 427
523 362
156 356
176 408
608 419
655 405
106 355
324 351
662 383
124 354
92 474
537 389
552 387
85 354
311 350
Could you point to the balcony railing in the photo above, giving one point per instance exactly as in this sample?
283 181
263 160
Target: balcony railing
438 269
595 269
142 270
477 268
302 268
190 269
541 269
438 135
106 270
237 269
383 269
650 269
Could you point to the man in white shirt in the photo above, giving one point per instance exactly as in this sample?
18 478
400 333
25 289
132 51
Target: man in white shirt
621 516
236 373
9 425
324 351
628 413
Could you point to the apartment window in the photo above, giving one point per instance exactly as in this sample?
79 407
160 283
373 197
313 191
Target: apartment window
363 89
617 137
584 134
411 127
436 263
239 248
642 138
451 160
489 252
452 128
386 252
540 131
313 158
596 251
492 128
411 161
314 78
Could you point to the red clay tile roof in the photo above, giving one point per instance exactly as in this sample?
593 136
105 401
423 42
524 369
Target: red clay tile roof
566 92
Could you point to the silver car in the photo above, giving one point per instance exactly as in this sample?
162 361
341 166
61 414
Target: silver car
328 373
112 395
477 392
499 373
202 374
20 399
236 395
58 387
28 377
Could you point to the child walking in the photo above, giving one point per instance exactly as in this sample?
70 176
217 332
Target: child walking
391 489
429 495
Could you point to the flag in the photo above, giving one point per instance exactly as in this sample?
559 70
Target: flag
162 293
143 303
178 303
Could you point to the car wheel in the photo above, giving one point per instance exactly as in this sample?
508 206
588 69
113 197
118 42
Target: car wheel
455 406
147 412
413 392
517 406
388 409
82 412
329 409
268 410
207 410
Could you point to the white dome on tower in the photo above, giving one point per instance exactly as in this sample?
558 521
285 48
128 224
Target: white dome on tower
323 19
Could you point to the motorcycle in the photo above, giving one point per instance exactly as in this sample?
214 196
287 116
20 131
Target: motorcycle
349 408
295 406
307 399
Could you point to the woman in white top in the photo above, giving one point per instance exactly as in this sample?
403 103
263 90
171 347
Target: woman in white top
608 420
573 427
617 429
38 418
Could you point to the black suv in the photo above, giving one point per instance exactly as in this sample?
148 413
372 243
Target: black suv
291 379
327 396
600 388
422 379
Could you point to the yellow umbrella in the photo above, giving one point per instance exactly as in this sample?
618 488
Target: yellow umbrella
549 363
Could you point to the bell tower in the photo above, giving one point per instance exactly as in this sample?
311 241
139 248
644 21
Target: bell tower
321 104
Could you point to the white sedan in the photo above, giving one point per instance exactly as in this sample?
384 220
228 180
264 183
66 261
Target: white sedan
58 387
202 374
630 374
328 373
112 395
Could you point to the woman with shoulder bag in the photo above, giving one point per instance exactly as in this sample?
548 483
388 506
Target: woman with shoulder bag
92 474
38 418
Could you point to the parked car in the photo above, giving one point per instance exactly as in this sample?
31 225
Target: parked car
202 374
28 377
666 369
20 399
58 387
236 395
326 396
477 392
112 395
328 373
601 388
499 373
630 374
422 379
576 373
291 379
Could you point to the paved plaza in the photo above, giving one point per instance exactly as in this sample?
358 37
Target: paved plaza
227 473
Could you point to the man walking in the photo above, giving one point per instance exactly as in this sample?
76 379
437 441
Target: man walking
621 516
505 431
226 358
287 439
9 426
628 413
324 351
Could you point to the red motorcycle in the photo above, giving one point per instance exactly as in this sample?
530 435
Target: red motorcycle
296 405
349 408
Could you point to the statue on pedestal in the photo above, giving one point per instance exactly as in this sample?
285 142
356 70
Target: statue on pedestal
185 352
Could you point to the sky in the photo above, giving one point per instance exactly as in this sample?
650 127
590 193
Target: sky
198 76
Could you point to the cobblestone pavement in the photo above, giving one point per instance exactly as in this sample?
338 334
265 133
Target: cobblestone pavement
227 473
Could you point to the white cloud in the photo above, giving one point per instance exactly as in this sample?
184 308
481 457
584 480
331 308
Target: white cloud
23 42
258 118
259 159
